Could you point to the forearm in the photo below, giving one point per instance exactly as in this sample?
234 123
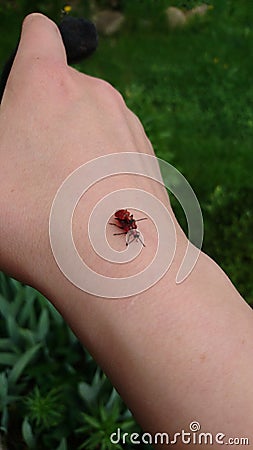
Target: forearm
176 352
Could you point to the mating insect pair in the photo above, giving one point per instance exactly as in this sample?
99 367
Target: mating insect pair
127 223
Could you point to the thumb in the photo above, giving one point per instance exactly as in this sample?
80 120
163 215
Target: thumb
40 39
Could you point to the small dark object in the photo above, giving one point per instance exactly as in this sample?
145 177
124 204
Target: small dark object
79 37
80 40
128 224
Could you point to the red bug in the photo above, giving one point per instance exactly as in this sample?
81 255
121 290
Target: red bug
127 223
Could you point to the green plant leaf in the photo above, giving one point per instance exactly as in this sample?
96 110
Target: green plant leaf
114 398
4 419
27 434
20 365
27 337
8 359
6 344
92 421
18 301
88 393
57 318
63 445
26 312
4 307
7 287
43 326
4 388
12 328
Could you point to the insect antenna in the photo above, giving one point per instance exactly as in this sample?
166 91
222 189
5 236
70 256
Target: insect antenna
143 218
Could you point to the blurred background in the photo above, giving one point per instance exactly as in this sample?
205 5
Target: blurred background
185 68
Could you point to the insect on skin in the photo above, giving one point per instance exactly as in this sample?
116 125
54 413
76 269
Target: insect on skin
127 223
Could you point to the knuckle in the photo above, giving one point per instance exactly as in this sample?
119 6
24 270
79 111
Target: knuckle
135 119
109 93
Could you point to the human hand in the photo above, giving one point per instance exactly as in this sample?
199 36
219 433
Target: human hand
53 119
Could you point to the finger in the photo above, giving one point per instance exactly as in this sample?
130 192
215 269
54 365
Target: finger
40 39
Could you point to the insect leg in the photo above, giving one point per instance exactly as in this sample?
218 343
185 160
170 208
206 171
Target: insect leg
122 228
141 241
130 241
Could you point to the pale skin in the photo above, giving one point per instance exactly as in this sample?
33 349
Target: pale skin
176 353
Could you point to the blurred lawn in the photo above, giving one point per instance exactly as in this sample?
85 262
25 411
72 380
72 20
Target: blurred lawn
192 89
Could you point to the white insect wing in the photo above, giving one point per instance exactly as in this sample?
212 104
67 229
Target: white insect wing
133 235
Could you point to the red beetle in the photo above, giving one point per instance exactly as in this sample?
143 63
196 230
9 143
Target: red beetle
127 223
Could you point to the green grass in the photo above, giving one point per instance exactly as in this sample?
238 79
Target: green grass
192 89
